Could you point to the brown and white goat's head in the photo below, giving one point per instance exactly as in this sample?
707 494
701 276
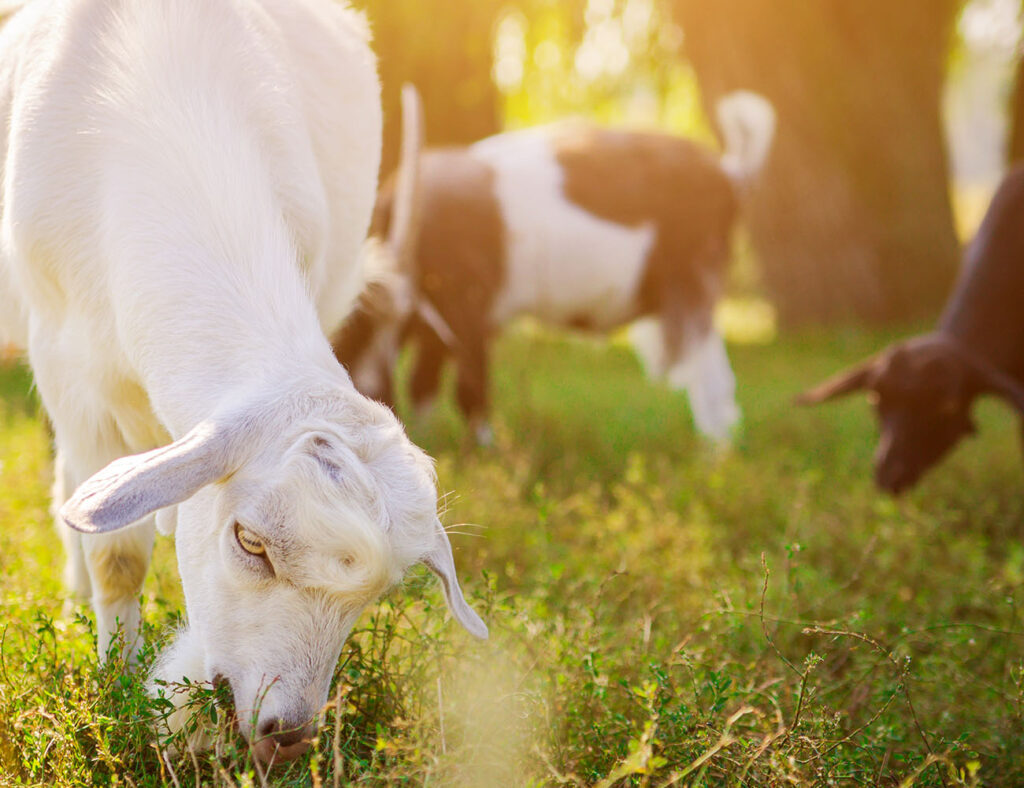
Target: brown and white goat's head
293 515
922 390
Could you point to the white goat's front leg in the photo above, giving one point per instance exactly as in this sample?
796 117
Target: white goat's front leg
117 565
76 573
108 568
184 658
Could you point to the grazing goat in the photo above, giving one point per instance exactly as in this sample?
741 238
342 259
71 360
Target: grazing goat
577 226
187 185
923 388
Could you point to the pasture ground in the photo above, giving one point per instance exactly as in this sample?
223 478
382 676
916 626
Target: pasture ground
660 614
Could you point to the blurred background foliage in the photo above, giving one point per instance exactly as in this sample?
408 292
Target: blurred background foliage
853 219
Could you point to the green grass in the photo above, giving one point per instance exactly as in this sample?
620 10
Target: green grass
661 614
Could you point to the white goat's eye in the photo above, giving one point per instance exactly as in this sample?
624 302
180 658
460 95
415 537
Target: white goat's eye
251 543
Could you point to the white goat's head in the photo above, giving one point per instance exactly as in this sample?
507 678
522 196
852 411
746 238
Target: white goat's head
292 517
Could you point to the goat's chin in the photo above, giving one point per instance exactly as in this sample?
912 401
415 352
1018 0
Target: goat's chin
179 668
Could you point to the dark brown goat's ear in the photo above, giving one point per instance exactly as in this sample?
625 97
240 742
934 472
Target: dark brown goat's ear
857 378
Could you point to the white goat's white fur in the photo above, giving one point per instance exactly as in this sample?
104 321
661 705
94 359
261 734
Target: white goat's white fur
185 188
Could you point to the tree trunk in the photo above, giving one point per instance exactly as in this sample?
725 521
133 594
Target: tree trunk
448 56
1015 140
851 217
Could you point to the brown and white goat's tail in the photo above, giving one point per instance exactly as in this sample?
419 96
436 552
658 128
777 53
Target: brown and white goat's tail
747 121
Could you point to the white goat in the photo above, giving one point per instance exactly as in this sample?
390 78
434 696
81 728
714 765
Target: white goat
186 186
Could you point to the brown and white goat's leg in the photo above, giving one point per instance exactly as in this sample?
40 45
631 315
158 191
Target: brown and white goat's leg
688 352
471 388
426 374
117 565
710 384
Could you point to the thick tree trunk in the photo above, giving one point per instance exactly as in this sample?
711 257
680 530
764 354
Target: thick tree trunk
448 56
1015 140
851 218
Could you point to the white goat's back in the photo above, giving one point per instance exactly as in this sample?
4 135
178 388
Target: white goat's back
143 131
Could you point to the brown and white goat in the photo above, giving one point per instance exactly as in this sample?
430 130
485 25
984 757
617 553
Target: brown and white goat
577 226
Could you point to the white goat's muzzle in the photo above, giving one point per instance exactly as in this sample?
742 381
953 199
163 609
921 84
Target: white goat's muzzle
278 723
280 740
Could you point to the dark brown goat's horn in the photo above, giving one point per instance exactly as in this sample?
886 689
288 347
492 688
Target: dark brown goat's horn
854 379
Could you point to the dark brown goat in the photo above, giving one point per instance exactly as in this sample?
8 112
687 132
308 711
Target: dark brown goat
924 387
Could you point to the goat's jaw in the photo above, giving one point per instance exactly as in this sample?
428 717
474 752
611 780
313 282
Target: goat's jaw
278 720
270 743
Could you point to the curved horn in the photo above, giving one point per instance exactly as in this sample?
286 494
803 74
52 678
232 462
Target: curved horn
407 204
429 315
854 379
407 212
747 121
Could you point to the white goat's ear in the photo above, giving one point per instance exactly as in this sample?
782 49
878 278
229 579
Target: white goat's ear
132 487
441 562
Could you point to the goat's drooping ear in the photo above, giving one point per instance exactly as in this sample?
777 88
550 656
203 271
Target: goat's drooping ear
442 563
132 487
854 379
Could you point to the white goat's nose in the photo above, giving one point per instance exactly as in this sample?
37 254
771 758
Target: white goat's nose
278 740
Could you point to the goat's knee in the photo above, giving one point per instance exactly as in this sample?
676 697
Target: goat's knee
76 572
426 374
117 565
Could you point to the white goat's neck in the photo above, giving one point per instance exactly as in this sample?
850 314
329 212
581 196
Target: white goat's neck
211 318
232 340
207 279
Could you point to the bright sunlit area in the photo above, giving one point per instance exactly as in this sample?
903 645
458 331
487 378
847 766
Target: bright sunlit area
511 393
